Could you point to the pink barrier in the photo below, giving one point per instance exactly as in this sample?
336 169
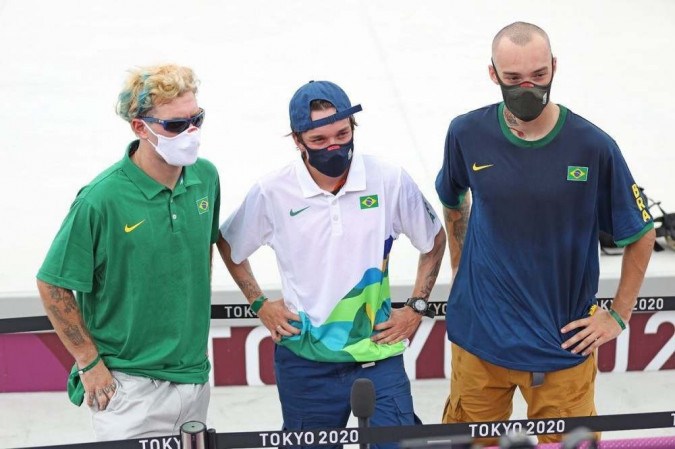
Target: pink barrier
635 443
640 443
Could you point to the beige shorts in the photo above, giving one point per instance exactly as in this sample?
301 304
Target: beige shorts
143 407
481 391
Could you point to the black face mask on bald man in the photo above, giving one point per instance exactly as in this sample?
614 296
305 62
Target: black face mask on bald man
526 103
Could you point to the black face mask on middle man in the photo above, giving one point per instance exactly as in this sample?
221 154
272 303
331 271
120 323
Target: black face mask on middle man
526 103
333 160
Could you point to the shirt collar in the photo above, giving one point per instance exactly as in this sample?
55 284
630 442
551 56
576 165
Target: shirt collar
149 186
356 178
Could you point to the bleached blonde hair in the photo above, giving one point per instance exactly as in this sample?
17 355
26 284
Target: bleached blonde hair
147 87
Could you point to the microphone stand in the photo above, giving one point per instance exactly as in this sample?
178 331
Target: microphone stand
363 403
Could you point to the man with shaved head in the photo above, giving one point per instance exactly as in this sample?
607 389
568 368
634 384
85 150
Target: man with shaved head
539 182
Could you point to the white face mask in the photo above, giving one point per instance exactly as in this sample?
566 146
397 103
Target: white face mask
180 150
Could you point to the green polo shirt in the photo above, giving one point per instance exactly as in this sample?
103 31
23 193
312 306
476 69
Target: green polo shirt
138 256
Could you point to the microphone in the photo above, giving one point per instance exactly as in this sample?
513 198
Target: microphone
363 403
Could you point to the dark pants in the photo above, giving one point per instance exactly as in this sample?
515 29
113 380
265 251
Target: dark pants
317 394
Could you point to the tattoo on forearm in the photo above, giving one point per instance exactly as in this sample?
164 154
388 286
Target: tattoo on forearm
430 278
430 281
248 288
74 334
248 285
63 305
72 328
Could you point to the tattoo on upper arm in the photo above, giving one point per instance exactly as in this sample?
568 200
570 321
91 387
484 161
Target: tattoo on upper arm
57 293
459 219
447 216
63 297
462 222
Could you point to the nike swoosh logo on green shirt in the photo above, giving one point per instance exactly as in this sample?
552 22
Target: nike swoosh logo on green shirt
293 213
129 229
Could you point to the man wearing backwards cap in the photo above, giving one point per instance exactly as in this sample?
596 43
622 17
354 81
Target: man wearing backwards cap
331 217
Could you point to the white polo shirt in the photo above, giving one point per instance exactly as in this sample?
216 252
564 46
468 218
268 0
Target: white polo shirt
332 250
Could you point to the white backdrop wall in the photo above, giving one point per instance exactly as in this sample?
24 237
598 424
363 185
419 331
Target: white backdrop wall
412 65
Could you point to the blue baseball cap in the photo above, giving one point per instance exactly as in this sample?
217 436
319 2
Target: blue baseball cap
299 108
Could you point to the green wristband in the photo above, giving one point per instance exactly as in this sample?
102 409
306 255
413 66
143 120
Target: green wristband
618 319
90 366
258 303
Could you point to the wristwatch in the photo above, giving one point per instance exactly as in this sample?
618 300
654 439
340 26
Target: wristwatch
419 305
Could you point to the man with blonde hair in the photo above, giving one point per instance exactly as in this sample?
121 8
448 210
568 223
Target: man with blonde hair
136 249
522 312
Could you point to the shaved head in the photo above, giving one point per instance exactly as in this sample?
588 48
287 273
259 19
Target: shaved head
520 33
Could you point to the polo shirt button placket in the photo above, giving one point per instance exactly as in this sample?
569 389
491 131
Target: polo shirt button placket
334 208
174 215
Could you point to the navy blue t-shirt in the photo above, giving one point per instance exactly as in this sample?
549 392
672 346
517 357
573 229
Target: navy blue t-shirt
530 260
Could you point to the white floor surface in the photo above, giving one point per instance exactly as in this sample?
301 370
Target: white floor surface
38 419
